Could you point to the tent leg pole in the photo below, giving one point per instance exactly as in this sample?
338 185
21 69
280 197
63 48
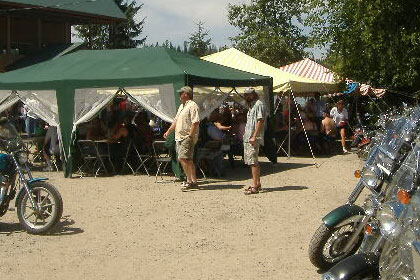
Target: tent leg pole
290 122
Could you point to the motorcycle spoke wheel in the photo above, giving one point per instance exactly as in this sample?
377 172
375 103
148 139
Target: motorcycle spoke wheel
333 249
327 244
48 210
40 218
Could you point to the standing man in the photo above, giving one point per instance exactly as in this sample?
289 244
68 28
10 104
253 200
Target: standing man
185 126
253 137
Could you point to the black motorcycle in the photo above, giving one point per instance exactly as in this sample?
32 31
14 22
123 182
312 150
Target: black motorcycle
39 205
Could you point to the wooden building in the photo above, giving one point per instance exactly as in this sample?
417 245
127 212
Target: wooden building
31 27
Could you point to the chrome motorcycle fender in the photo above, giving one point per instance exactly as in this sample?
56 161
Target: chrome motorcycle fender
341 214
22 190
415 251
354 266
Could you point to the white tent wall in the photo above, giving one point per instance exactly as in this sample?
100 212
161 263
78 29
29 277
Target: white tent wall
4 94
208 98
8 101
158 99
88 102
41 103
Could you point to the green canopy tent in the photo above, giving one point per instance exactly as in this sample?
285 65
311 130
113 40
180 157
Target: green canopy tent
81 83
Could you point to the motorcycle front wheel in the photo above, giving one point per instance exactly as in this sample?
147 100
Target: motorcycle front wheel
327 244
50 208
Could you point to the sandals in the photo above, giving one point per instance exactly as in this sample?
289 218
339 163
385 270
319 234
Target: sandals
187 186
253 190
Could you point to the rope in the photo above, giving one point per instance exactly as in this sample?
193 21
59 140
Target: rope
304 130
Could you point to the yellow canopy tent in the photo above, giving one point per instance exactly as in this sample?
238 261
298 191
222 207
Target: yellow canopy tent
282 81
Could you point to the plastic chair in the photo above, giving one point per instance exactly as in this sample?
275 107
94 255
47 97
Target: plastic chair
162 156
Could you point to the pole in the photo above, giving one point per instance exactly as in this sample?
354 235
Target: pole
290 122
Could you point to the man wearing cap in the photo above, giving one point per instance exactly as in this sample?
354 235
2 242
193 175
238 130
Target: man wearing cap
185 126
253 137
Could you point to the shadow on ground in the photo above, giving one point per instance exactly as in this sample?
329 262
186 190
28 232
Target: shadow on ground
223 186
9 228
241 172
285 188
64 227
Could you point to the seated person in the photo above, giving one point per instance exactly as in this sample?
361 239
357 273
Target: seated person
141 132
239 126
51 146
328 131
95 130
118 132
215 128
225 117
311 131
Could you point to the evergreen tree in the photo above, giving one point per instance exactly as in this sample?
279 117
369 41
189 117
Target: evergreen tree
199 45
121 35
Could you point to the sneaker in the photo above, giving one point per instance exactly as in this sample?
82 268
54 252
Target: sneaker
345 151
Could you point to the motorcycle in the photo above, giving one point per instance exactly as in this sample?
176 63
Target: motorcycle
39 205
393 232
399 228
341 233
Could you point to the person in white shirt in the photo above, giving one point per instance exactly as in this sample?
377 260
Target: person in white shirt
186 126
340 116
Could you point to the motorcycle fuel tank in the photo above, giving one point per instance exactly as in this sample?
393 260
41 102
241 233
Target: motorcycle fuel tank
5 164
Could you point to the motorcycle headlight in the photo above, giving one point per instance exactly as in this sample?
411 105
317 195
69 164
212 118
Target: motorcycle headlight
371 176
370 205
388 219
22 157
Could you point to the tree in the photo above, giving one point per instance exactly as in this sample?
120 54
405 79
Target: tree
268 30
199 45
374 41
121 35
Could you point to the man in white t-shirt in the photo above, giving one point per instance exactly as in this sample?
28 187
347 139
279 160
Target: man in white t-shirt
340 116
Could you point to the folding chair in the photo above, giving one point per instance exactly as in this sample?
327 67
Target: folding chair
92 160
213 154
162 156
142 159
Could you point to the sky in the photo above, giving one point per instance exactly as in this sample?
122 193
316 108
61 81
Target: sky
175 20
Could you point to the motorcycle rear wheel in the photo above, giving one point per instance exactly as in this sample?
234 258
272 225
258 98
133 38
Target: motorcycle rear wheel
325 248
50 206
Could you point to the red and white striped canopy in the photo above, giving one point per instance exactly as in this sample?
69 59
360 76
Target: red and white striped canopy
310 69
